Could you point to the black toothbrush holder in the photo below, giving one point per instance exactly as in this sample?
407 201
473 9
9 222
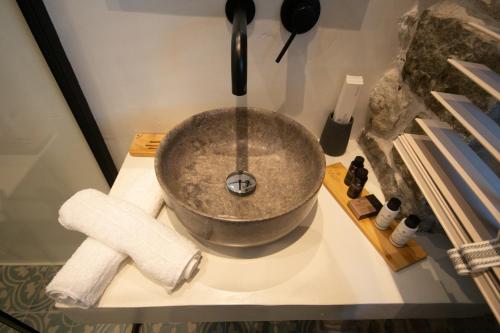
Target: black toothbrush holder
335 136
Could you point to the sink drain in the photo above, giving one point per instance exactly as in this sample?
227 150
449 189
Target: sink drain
241 183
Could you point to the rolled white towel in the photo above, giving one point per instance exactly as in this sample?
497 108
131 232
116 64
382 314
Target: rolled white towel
156 249
85 276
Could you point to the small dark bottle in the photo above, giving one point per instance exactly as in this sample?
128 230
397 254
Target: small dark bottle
357 183
356 164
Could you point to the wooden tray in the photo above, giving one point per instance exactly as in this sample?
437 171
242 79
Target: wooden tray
145 144
396 258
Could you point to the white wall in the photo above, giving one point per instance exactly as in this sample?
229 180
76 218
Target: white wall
44 158
146 65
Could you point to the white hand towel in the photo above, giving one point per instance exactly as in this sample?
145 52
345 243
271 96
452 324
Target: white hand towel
157 250
85 276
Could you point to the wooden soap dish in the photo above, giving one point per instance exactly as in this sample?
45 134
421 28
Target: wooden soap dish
396 258
145 144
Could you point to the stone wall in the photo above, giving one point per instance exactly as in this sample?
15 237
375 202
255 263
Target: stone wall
428 37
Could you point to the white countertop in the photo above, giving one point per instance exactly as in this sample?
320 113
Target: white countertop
325 269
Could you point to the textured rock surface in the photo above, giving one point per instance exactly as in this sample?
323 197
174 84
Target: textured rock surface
407 25
442 33
427 39
393 106
396 180
378 160
388 101
492 7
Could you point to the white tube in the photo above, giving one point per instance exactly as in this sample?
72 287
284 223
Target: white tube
347 99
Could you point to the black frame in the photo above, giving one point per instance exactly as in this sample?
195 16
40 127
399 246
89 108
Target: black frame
18 325
43 30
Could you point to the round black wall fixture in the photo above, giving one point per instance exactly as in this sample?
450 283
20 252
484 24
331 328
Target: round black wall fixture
298 16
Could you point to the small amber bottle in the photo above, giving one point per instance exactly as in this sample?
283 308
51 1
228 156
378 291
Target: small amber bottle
357 183
356 164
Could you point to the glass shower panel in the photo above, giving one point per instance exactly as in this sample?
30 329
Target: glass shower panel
44 157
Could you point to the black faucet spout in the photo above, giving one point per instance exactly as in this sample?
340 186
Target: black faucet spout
239 53
240 13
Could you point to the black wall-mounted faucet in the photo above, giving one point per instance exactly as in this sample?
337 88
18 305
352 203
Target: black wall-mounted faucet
240 13
298 17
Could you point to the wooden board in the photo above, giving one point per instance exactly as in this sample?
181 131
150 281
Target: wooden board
396 258
484 129
145 144
482 75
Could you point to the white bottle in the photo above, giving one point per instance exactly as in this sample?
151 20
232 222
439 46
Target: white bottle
387 214
404 231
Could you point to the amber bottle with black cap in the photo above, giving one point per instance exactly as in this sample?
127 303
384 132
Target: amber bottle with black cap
357 183
356 164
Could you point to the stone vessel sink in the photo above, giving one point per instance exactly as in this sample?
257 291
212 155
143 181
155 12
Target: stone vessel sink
194 160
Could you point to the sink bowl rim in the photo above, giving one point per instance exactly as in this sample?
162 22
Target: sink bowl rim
180 126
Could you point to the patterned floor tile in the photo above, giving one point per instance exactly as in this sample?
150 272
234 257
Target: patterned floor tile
18 287
484 324
5 329
256 326
413 325
377 326
275 326
50 322
215 327
170 327
344 326
101 328
18 316
240 327
42 303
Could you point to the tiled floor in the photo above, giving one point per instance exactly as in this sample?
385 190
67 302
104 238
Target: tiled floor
22 296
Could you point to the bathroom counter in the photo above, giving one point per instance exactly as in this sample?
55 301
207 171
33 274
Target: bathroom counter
325 269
